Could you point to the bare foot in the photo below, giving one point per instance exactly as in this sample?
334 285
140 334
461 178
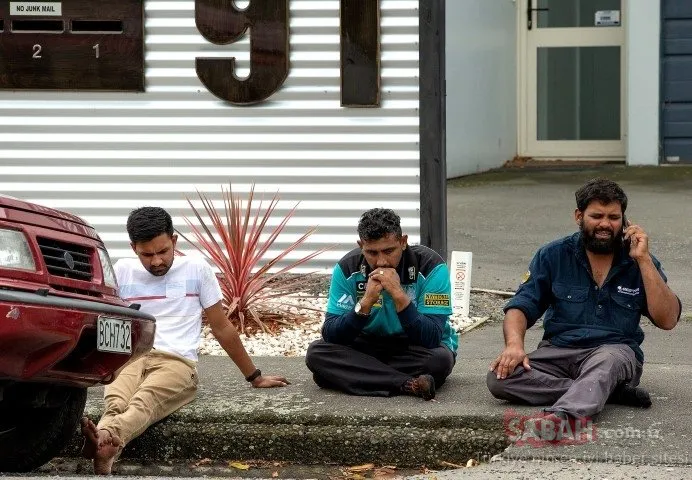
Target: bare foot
108 448
91 438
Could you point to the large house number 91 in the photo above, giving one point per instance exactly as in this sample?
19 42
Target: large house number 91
222 23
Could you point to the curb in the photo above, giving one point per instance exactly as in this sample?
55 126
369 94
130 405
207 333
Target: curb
404 441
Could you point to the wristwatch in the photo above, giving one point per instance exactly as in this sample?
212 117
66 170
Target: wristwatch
359 310
253 375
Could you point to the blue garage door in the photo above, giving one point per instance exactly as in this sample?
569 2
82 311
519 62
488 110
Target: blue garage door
676 80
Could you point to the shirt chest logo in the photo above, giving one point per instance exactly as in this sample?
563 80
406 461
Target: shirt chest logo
633 292
436 300
361 286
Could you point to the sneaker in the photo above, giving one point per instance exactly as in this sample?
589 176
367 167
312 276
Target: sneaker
630 396
421 386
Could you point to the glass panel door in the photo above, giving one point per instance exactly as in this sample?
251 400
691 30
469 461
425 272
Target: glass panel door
577 13
578 93
571 79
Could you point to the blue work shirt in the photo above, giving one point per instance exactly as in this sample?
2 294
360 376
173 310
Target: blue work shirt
579 313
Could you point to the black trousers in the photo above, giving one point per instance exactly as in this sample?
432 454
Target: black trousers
375 366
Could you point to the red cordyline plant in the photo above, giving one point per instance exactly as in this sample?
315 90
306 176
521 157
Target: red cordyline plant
231 240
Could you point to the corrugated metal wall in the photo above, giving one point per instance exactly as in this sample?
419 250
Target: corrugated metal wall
676 81
99 155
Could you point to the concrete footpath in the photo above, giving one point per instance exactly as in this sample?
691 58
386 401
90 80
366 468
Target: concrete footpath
502 217
304 424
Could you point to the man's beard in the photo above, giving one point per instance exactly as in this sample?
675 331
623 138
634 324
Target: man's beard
597 245
159 271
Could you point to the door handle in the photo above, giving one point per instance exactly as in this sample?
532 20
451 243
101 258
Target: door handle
529 13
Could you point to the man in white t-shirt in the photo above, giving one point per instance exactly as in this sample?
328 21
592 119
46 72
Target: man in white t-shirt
175 290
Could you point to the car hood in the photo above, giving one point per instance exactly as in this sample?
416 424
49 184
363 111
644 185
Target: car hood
20 211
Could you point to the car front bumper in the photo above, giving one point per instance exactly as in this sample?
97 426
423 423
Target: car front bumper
47 338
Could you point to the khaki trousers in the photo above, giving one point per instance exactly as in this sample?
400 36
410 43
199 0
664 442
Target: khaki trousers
146 391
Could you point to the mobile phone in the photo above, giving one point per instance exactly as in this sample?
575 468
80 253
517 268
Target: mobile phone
626 243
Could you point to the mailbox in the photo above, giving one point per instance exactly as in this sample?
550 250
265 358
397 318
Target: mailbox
72 45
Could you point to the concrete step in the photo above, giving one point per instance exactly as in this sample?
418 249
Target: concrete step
305 424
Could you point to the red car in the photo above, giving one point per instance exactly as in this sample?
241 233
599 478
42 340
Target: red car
63 328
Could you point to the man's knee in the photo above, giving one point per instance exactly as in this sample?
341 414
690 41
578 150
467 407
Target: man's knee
114 405
314 354
440 362
614 357
612 363
496 387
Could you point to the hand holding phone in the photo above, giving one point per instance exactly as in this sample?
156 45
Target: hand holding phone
626 242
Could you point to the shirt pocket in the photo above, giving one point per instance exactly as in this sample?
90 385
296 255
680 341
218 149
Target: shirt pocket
570 303
626 311
175 289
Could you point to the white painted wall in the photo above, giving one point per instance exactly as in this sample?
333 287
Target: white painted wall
643 26
481 84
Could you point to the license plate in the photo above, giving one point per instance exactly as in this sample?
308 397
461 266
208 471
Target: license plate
114 335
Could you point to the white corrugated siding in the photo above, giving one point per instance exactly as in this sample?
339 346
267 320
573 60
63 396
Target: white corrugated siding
99 155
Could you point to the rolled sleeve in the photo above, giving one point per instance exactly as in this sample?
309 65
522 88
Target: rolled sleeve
661 272
533 295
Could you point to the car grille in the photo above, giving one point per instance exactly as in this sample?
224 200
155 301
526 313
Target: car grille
66 260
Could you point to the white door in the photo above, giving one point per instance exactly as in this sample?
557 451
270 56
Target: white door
571 78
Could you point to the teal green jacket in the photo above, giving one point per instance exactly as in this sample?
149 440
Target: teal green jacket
425 322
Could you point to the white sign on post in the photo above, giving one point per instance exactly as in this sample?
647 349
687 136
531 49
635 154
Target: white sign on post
607 18
48 9
460 277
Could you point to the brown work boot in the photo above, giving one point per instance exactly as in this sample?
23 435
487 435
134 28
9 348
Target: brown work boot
421 386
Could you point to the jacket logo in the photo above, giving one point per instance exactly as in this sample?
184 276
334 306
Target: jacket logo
411 273
346 301
628 291
436 300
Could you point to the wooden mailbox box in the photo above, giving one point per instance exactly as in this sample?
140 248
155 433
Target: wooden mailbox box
72 45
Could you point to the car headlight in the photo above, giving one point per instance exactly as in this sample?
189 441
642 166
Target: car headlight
108 272
15 251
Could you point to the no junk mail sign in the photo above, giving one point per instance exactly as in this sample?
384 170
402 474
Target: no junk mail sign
72 45
81 45
36 8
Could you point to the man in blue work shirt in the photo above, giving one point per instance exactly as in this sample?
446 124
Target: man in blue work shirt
386 330
593 287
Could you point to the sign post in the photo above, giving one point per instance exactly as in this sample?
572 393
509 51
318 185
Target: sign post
460 278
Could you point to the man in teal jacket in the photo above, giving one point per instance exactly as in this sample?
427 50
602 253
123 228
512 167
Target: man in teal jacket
386 330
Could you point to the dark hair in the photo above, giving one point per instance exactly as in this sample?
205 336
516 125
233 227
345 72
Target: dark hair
601 189
146 223
377 223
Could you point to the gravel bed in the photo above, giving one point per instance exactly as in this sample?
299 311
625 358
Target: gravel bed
484 307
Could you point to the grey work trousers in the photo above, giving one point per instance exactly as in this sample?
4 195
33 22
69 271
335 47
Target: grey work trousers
577 381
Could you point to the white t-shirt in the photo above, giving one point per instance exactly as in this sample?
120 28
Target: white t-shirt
175 299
